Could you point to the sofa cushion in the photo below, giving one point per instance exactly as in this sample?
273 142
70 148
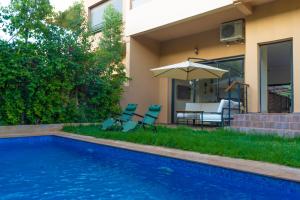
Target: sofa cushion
207 117
187 116
206 107
209 107
221 105
193 107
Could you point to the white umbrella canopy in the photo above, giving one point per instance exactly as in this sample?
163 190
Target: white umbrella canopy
188 71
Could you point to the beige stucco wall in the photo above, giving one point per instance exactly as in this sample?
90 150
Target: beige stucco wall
208 43
272 22
142 55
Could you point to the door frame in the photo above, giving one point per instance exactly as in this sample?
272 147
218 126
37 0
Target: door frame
260 45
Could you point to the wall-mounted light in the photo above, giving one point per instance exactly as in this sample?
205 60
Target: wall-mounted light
196 50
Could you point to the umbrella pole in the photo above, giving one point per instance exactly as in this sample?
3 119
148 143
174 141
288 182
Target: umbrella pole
194 91
229 99
218 89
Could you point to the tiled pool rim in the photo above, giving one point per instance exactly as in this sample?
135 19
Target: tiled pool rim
255 167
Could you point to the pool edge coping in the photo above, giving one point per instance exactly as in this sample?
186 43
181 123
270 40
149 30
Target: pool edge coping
249 166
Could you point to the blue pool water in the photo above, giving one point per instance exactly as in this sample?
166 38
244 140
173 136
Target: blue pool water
50 167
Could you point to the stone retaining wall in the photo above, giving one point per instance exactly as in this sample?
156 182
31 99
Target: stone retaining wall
281 124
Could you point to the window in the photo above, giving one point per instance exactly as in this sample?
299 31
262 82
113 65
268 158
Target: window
208 90
136 3
183 92
236 68
97 12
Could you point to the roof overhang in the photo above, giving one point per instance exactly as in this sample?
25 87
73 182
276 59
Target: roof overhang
203 22
246 6
194 25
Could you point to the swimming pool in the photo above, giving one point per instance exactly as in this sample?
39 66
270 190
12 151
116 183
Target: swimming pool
51 167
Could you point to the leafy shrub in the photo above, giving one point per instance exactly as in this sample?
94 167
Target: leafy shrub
49 72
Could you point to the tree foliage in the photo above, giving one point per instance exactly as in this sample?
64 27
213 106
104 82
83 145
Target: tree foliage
72 18
111 50
48 72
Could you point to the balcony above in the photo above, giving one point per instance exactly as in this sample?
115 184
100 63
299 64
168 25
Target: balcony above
169 19
158 13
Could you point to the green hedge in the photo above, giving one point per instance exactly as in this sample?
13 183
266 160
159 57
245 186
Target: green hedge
50 74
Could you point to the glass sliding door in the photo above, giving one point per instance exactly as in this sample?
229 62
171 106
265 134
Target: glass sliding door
207 90
276 77
235 66
182 93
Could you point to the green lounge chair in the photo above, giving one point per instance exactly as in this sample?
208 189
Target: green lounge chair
148 120
125 117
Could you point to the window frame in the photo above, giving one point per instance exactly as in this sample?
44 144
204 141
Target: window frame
98 27
133 7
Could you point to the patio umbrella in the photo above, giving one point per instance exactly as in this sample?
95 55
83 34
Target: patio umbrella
188 71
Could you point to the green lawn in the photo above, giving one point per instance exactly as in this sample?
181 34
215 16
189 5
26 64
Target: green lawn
220 142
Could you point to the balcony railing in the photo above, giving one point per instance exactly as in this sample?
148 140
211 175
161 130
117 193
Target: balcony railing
243 102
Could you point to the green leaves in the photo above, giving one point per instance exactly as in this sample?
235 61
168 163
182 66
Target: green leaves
73 18
48 72
26 18
111 51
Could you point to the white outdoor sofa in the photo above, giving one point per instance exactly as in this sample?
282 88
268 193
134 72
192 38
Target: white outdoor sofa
212 112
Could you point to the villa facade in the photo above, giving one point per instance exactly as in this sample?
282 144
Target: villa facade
257 40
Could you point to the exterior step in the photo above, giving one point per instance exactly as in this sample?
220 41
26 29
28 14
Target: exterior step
280 124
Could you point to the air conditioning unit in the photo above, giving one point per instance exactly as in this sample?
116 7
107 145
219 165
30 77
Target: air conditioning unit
233 31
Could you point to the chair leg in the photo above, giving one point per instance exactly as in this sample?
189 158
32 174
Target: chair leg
155 129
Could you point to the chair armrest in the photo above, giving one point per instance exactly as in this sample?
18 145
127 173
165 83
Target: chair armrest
154 117
138 115
125 113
